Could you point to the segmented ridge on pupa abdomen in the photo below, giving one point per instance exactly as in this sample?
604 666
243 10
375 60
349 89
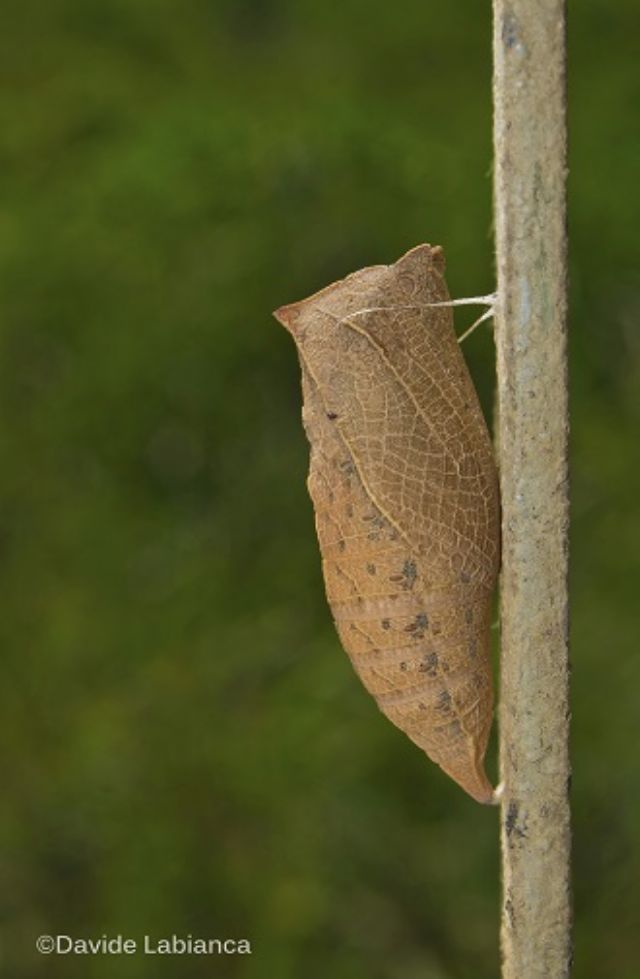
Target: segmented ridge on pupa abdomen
405 492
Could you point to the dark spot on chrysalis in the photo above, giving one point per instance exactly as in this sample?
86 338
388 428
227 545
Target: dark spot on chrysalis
444 701
436 628
422 706
403 667
429 664
341 545
386 624
418 625
371 568
409 573
331 415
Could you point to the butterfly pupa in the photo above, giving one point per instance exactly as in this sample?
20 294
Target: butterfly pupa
405 491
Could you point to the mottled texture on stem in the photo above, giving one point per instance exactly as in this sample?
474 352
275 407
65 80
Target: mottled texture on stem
530 174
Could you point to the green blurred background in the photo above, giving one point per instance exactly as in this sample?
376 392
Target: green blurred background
185 748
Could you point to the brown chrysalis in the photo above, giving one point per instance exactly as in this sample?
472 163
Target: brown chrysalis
404 486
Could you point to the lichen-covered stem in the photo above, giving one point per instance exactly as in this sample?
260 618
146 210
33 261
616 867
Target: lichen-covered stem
530 174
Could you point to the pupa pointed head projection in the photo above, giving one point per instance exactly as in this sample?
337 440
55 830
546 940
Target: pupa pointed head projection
405 492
